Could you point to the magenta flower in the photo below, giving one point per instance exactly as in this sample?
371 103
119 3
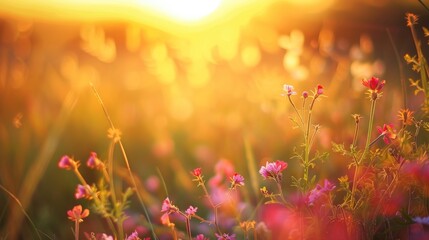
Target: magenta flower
273 170
82 192
191 211
133 236
94 162
289 89
237 180
374 84
319 191
225 236
76 214
319 90
67 163
200 237
168 207
388 133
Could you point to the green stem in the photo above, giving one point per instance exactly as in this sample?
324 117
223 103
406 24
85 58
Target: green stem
370 126
126 162
307 144
367 145
296 110
355 134
110 172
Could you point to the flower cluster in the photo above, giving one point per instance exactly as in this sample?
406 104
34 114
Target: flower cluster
273 170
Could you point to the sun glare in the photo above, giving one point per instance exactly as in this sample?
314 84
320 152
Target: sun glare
185 10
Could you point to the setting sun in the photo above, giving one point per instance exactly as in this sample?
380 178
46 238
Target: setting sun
186 10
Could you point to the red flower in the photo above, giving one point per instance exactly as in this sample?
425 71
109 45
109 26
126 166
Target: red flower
319 90
388 133
197 172
76 213
374 84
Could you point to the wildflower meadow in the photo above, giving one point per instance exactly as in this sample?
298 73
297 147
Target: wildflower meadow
276 120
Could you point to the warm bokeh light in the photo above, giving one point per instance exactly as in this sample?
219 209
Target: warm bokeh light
198 83
187 10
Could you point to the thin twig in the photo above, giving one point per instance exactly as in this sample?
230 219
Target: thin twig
126 160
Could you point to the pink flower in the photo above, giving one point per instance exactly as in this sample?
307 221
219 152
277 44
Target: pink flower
237 180
196 172
133 236
305 94
82 192
374 84
289 89
200 237
76 213
388 133
225 236
94 162
67 163
168 207
319 191
273 170
106 237
191 210
319 90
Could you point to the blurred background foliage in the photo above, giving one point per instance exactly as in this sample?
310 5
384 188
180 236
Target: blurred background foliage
185 94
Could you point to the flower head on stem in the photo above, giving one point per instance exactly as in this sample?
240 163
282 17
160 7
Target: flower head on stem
375 86
388 133
225 236
168 207
133 236
237 180
273 170
406 117
83 192
200 237
191 211
305 94
76 214
94 162
289 89
68 163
